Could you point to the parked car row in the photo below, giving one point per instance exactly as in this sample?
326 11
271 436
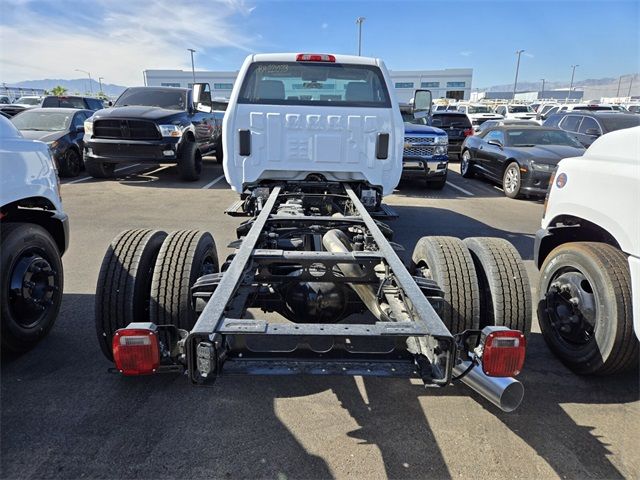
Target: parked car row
50 101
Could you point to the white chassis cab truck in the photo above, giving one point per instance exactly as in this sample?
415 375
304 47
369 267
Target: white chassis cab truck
312 143
34 234
588 252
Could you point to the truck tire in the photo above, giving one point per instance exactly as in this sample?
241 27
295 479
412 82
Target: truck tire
437 184
190 162
100 169
124 283
185 256
448 261
584 308
512 180
31 283
70 163
505 292
466 165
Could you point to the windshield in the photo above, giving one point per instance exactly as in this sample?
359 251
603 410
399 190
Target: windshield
447 120
171 99
520 109
314 83
472 109
43 121
618 122
540 137
28 101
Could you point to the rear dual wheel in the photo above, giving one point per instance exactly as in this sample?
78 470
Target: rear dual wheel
146 275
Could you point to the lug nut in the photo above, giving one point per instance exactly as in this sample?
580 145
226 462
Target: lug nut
28 284
574 301
565 288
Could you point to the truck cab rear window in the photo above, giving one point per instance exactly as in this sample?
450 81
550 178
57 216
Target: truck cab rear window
314 84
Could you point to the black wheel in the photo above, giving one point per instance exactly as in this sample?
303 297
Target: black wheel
190 162
31 285
448 261
505 292
99 169
437 184
466 167
219 152
124 283
69 164
511 180
185 256
585 308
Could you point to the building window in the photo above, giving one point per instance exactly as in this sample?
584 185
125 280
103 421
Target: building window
456 84
166 84
430 85
223 86
404 84
455 94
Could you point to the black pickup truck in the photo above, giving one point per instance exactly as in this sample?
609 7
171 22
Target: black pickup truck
155 125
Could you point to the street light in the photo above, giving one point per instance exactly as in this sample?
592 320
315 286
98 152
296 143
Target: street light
573 72
88 73
542 87
100 81
515 83
193 69
359 22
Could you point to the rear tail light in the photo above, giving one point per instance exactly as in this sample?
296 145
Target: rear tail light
468 132
136 350
503 351
315 57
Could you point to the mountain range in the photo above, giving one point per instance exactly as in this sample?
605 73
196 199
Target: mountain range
78 86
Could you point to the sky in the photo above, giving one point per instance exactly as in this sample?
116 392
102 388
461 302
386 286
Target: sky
117 39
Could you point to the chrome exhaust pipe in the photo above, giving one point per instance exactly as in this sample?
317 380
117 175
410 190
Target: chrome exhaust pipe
504 392
336 241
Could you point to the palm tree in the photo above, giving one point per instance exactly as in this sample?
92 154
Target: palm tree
59 90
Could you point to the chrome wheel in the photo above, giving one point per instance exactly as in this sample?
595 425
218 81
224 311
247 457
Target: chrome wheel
511 180
465 164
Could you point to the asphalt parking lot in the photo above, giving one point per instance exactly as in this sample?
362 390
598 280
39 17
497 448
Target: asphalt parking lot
64 416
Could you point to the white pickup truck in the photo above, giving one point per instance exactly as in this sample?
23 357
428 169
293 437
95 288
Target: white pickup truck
588 252
34 234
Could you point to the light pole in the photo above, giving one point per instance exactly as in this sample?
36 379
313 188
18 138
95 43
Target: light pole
630 83
515 83
88 73
542 87
359 22
619 82
100 81
573 72
193 68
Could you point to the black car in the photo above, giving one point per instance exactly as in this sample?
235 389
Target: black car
63 101
586 126
155 125
456 125
521 159
60 128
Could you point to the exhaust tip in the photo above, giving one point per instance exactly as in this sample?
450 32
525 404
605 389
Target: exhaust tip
511 397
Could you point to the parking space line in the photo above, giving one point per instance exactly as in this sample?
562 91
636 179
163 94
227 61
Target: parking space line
212 182
467 192
89 178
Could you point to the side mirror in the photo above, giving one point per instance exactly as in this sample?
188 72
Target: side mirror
496 143
80 129
593 132
202 97
110 103
422 103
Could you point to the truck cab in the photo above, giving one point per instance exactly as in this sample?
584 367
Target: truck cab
299 115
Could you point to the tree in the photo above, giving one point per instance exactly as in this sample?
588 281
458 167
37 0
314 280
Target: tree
59 90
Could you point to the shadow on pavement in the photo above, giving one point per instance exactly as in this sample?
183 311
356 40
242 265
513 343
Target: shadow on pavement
64 416
415 222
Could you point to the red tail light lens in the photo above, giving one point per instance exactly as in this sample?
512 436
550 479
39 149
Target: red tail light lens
315 57
468 132
503 353
136 351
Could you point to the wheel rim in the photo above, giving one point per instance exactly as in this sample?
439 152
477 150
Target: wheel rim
570 305
32 286
73 163
511 179
464 164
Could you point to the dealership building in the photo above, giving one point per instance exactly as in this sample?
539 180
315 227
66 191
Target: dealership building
452 83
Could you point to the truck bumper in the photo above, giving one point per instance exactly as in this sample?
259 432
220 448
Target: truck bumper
165 150
433 167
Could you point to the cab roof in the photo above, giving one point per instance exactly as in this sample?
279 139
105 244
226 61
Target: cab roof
291 57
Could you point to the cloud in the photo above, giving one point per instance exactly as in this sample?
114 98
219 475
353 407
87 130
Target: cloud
466 53
324 26
117 41
527 54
